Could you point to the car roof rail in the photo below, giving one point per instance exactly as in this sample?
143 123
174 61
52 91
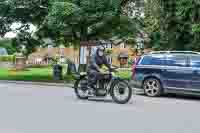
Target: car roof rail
174 52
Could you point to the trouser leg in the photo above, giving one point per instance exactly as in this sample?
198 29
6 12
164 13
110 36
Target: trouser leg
92 79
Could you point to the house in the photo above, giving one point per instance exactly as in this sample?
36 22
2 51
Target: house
40 56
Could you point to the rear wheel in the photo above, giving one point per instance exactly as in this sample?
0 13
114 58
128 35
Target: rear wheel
121 92
152 87
80 88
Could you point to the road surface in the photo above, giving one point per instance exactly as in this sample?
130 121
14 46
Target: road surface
50 109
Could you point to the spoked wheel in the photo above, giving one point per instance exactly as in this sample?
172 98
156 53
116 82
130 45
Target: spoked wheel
121 92
81 88
152 87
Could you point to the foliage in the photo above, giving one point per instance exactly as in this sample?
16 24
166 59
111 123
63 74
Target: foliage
25 43
23 11
176 27
7 58
7 44
43 75
90 20
66 22
109 51
38 66
69 78
31 74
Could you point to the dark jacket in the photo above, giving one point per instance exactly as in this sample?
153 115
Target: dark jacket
96 62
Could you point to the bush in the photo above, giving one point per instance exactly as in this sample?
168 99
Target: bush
38 66
109 51
7 43
7 58
69 78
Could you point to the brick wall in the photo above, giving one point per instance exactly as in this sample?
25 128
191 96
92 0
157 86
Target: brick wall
73 54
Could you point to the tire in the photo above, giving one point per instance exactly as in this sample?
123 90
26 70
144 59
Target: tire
152 87
114 96
77 89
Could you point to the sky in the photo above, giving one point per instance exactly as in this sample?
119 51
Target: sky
17 25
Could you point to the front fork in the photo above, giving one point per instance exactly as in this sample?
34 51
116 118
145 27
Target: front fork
112 83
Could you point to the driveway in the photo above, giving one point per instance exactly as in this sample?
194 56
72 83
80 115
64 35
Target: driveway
50 109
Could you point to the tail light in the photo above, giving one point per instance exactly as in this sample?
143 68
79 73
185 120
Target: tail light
134 66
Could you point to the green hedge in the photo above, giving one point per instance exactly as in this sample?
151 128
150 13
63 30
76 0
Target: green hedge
7 58
39 66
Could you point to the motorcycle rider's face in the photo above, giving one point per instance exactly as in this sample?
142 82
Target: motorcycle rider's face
100 53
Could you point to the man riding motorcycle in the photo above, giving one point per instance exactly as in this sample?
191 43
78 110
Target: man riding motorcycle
97 61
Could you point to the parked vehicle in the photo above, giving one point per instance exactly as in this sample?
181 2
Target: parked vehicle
119 89
168 72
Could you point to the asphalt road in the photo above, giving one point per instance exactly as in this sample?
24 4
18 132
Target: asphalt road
50 109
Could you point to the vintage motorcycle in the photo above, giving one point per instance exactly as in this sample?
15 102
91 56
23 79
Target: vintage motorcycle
111 85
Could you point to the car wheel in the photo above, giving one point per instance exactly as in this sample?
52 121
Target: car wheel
152 87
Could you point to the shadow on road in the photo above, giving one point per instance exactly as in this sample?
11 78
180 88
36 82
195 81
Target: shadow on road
182 97
107 101
177 96
101 100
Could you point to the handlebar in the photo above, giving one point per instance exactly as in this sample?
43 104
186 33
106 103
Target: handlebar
112 69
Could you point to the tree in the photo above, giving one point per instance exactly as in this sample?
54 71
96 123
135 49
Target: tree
177 27
152 23
25 12
67 21
25 43
90 19
7 44
35 12
188 16
22 11
84 20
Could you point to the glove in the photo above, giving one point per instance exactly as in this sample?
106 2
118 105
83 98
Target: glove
104 69
101 71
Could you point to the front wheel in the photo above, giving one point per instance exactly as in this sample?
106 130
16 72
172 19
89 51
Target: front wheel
152 87
80 88
121 93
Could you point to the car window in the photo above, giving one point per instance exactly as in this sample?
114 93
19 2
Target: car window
195 61
176 60
152 60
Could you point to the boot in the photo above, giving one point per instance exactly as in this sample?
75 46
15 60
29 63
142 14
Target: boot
91 91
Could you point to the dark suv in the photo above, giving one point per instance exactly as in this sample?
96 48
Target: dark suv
167 72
